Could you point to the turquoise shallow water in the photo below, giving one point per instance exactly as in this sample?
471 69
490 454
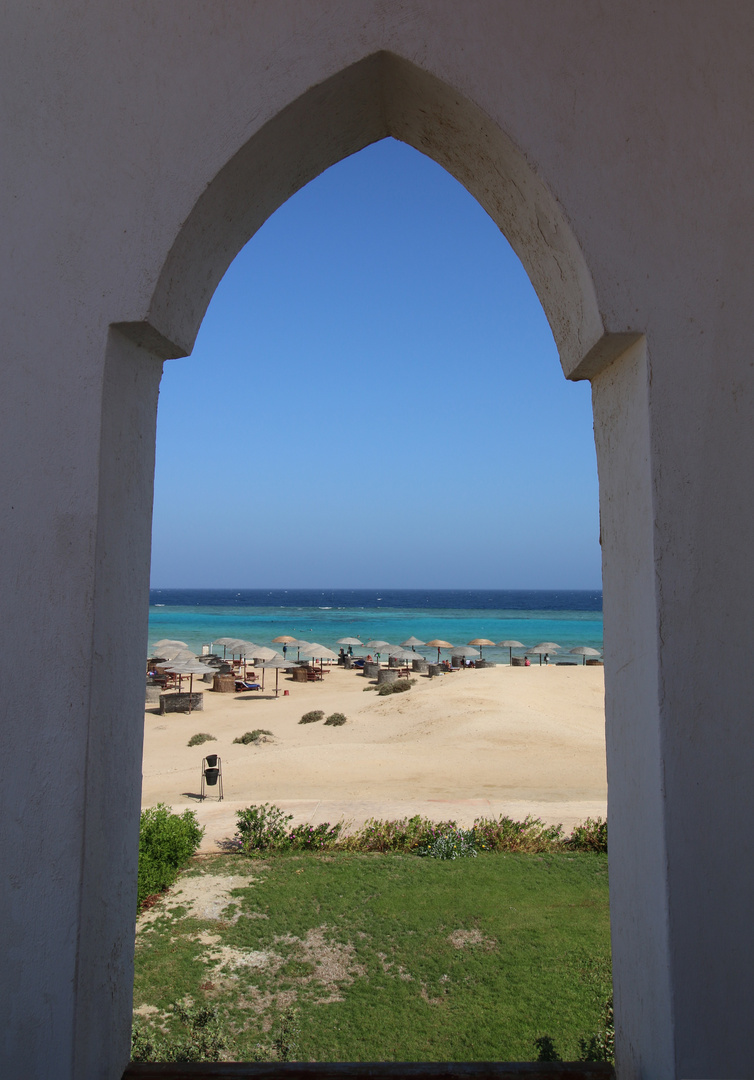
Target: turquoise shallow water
200 616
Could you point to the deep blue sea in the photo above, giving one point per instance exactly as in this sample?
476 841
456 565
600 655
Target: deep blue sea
200 616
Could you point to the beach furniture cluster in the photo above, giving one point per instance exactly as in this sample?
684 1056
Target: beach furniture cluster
235 671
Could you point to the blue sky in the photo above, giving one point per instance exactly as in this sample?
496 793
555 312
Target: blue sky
375 399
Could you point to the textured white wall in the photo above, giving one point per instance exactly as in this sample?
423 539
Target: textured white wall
142 145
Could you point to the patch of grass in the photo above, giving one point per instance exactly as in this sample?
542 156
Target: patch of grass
201 737
336 719
252 736
312 717
400 686
391 958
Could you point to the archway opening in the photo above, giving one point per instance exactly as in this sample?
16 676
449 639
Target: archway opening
459 394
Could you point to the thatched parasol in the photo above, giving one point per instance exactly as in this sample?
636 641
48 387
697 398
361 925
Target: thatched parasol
480 642
437 644
510 646
585 650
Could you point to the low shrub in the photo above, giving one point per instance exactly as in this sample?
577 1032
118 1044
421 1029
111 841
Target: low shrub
312 717
313 837
166 843
453 844
285 1045
402 835
590 835
530 835
202 1040
400 686
267 828
201 737
260 828
336 719
252 736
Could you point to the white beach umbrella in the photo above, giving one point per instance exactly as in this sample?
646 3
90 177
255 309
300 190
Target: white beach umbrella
510 646
463 650
350 641
378 645
585 650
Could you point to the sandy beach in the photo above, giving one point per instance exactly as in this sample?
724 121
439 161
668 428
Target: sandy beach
501 740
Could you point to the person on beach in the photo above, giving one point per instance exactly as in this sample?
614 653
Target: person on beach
377 657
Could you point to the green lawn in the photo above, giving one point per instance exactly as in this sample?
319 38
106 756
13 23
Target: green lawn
387 957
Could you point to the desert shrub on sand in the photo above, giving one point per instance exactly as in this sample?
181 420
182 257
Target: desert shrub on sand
252 736
199 738
312 717
400 686
336 719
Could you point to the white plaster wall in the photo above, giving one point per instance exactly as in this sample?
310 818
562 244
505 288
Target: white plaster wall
628 125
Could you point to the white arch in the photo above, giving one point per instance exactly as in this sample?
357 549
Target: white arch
379 96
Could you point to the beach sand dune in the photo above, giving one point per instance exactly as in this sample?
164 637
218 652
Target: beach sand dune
472 743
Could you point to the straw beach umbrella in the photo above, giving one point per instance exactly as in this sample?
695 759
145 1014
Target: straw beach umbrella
438 644
480 642
167 643
318 652
189 667
543 649
277 663
413 642
584 650
350 641
262 653
510 646
224 641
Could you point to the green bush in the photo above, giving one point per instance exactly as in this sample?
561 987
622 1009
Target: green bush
453 844
260 828
312 717
336 719
402 835
252 736
166 843
529 835
202 1040
202 737
590 835
267 828
400 686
